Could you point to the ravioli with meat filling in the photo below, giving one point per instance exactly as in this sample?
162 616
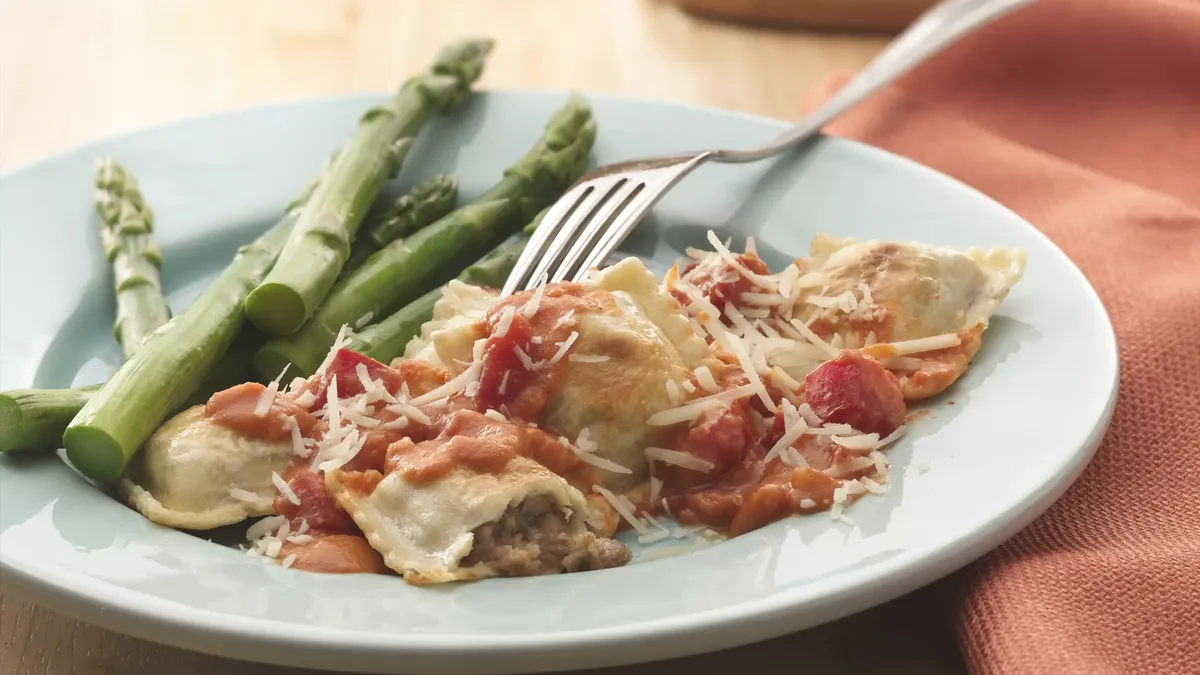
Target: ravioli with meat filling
468 505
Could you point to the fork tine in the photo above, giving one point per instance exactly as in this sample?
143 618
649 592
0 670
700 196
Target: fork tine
595 193
657 182
625 189
622 223
553 219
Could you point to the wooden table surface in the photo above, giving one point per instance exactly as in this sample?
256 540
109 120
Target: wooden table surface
76 70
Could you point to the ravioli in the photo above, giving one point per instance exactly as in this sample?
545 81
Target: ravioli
460 306
643 339
913 291
647 341
916 290
188 473
428 532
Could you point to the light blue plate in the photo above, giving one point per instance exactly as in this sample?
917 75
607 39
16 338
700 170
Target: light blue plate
1027 418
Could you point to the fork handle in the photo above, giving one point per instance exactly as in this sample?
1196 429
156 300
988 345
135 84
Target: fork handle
935 30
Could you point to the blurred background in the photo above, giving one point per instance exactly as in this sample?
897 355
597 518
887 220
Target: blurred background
76 70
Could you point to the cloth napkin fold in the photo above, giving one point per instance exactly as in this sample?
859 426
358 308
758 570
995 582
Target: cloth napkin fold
1083 116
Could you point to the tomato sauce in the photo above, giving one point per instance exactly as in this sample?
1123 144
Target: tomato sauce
721 283
336 554
233 408
419 376
743 492
482 444
317 507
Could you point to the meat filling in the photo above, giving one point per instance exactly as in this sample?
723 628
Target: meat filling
534 538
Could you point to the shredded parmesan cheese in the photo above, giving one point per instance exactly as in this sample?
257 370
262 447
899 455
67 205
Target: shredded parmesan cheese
859 443
298 447
851 467
723 251
705 377
563 347
339 342
872 486
625 512
598 462
928 344
809 416
673 392
655 488
524 358
565 318
813 337
531 307
891 438
267 398
284 488
306 399
455 385
693 409
398 423
794 428
739 350
242 495
359 418
831 429
333 411
410 412
683 459
506 318
866 293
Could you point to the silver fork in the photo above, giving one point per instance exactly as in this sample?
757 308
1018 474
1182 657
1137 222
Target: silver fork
588 222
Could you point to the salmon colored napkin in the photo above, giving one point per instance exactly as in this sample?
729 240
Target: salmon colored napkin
1083 116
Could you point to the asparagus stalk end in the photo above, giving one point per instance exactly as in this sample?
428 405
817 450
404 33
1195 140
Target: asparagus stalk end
97 454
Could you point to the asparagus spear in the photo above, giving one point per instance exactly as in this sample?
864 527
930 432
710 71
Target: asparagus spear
34 419
425 204
41 415
125 226
387 339
320 243
111 427
404 269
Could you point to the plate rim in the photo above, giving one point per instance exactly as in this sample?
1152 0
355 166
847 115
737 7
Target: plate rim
169 622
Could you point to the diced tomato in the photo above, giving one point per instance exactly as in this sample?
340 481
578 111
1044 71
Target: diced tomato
317 507
502 366
345 367
853 389
723 437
